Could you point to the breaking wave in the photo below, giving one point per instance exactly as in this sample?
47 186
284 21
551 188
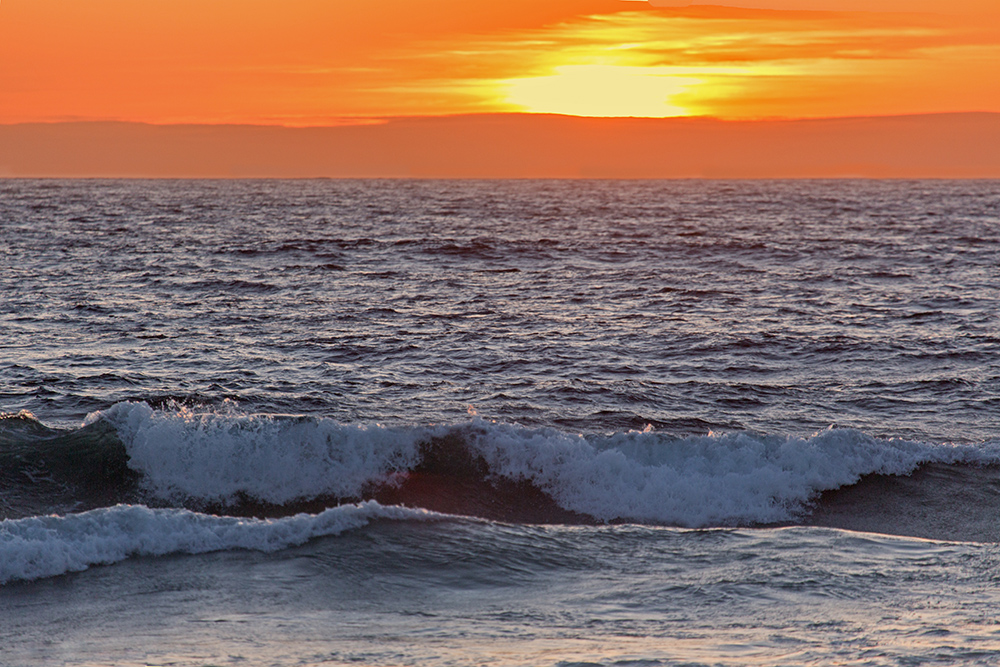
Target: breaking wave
275 465
134 480
46 546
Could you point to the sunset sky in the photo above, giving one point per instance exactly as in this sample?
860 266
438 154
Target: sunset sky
327 62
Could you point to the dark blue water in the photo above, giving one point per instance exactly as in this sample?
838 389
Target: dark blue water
620 361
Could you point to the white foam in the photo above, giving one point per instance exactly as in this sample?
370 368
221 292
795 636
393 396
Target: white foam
46 546
713 480
215 456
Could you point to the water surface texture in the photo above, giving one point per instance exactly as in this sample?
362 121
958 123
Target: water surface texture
499 422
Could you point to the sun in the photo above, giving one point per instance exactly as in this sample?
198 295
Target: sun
600 90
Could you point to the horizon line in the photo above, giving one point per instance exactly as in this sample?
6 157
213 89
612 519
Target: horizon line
383 120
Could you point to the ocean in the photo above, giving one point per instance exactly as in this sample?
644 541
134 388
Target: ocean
545 423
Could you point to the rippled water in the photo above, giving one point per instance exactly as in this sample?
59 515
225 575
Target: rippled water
782 307
219 393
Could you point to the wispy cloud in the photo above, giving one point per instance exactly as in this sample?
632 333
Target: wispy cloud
736 63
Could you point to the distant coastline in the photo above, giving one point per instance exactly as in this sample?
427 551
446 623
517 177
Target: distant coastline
957 145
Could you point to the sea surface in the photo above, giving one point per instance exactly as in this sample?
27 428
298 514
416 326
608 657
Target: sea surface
539 423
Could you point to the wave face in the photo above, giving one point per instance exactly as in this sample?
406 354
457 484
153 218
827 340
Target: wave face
269 465
45 470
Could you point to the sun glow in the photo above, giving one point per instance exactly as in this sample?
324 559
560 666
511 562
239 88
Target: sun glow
600 90
328 62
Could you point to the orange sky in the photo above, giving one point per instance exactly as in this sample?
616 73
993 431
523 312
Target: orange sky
321 62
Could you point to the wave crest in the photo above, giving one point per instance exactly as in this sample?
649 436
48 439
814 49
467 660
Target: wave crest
216 456
711 480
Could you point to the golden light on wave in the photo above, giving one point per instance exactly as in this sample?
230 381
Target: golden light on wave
600 90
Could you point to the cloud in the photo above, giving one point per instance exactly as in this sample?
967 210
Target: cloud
909 6
746 63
